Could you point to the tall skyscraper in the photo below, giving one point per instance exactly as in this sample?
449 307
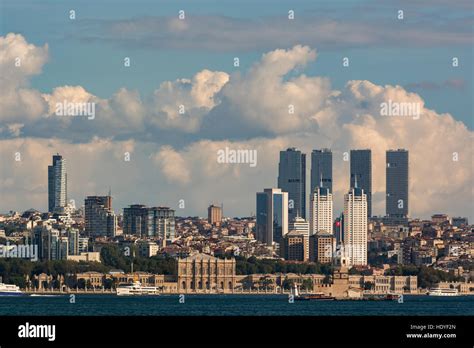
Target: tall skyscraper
99 218
214 214
321 211
361 167
355 226
57 184
272 216
292 179
397 183
148 222
321 169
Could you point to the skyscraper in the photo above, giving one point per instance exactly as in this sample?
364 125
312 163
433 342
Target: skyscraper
292 179
321 169
397 183
99 218
57 184
321 211
361 167
272 216
355 226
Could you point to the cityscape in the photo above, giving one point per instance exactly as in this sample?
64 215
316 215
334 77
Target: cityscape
190 171
346 254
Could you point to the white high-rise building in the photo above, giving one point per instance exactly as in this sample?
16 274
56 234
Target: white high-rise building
355 226
300 225
320 213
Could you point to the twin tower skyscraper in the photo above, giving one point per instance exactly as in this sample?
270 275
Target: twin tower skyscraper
292 178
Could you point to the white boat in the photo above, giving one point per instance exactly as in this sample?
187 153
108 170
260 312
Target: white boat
443 292
10 290
136 289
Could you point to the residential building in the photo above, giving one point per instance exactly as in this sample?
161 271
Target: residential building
322 247
321 211
355 226
295 246
214 214
154 222
99 218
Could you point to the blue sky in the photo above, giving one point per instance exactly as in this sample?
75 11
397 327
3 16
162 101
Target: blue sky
78 62
191 62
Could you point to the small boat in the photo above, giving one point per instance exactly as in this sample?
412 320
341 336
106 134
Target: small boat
320 297
443 292
309 297
136 289
10 290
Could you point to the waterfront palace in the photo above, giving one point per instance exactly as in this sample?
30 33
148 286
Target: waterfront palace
202 273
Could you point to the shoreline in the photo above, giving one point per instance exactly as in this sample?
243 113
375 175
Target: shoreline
253 293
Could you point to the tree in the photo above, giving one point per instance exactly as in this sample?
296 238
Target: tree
307 284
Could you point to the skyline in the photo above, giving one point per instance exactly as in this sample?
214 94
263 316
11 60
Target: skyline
172 156
397 170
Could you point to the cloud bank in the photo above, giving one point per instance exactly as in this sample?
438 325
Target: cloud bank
173 155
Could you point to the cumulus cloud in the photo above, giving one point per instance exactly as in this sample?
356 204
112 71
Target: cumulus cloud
175 105
19 61
239 111
182 104
172 165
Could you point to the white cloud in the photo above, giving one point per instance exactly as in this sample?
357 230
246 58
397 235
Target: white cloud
20 60
252 110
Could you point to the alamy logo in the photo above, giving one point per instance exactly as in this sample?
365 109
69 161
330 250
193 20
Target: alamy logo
237 156
37 331
75 109
403 109
22 251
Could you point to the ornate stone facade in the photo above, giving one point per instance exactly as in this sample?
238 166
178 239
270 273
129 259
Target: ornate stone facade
205 273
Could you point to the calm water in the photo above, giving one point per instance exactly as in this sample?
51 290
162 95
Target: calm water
217 305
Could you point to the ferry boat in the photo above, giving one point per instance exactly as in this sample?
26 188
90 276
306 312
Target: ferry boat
443 292
136 289
10 290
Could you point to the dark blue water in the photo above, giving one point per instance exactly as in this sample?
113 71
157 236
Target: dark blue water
225 305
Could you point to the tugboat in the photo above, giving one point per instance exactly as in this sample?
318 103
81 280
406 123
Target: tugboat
317 296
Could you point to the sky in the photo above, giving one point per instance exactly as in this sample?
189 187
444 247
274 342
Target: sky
190 62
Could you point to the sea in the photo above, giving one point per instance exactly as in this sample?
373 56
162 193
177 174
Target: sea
229 305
